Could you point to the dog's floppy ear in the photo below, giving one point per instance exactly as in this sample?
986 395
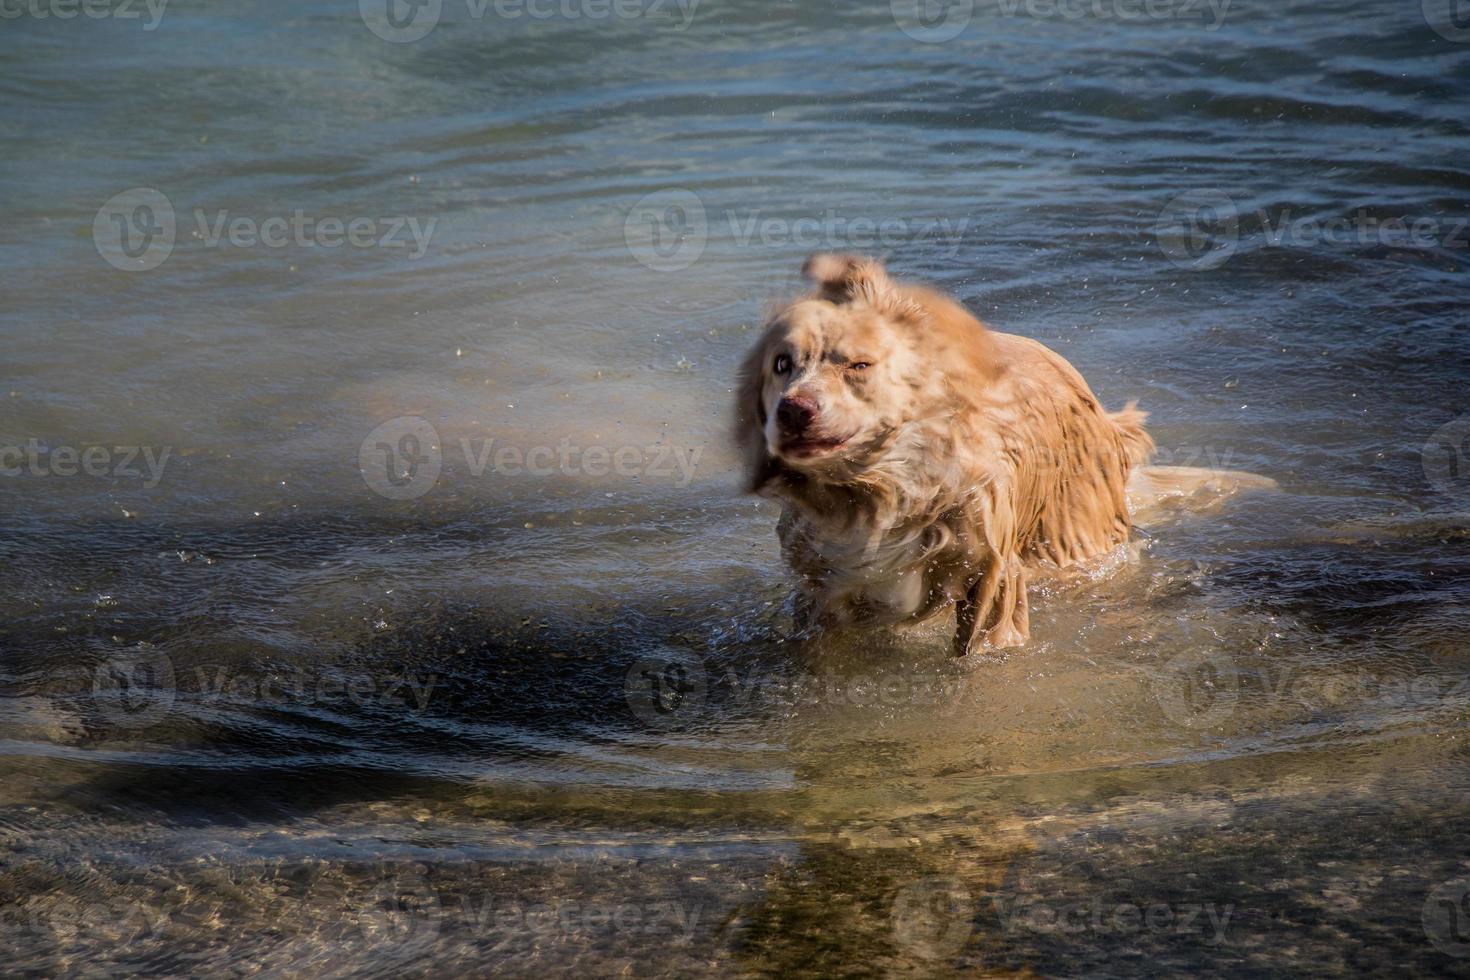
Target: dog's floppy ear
750 415
854 278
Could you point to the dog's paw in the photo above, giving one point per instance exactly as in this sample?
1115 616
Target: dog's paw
1004 637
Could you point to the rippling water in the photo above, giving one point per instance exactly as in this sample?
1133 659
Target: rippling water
378 597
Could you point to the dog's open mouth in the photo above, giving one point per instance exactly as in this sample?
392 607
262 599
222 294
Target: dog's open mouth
810 448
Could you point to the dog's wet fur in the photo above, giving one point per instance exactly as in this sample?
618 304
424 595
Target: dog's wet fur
923 460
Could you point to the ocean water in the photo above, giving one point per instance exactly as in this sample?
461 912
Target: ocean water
378 596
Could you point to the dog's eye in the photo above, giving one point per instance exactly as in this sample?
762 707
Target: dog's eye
783 364
859 365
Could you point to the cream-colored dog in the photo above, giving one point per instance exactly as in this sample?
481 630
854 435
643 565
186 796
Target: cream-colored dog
923 460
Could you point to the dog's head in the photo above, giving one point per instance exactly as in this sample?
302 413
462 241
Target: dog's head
839 373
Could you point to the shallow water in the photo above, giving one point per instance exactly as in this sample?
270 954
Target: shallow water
316 682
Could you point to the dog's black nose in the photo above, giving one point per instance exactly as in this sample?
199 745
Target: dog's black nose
795 413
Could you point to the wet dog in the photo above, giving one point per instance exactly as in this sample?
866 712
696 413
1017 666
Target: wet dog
923 460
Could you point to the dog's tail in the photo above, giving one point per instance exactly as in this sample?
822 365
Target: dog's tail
1137 443
1188 488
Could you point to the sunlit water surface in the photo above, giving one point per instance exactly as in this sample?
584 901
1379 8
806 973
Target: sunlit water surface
291 693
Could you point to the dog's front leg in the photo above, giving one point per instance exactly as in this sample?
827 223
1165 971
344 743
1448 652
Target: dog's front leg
805 612
994 610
